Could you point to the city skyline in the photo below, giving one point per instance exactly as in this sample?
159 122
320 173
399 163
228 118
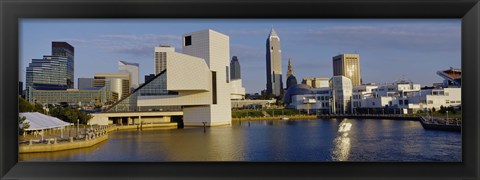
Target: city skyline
389 48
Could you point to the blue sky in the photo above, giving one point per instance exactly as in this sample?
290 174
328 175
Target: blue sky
389 49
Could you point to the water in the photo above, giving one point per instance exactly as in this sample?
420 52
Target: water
299 140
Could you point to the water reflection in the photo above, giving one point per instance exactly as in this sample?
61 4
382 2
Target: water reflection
285 140
342 145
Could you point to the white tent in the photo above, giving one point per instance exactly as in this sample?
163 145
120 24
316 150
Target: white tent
39 121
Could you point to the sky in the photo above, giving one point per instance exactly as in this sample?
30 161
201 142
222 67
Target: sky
389 49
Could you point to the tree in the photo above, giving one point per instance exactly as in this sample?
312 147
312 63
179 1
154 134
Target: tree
24 105
433 109
71 115
22 125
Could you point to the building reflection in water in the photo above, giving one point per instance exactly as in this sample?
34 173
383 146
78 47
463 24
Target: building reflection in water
341 150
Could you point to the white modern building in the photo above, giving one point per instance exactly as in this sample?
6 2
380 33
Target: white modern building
341 92
131 68
194 82
237 91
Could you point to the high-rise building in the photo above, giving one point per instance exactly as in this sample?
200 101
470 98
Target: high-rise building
119 83
274 64
290 68
85 83
341 92
348 65
49 73
291 79
235 69
131 68
63 49
161 58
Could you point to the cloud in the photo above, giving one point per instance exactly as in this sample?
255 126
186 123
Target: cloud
136 45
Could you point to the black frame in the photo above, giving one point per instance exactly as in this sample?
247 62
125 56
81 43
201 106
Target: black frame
11 11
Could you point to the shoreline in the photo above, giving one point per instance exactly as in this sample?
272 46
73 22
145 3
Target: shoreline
99 136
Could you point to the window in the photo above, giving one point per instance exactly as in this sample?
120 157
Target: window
430 102
188 40
228 74
214 87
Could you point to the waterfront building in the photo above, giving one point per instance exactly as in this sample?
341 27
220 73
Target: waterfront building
252 103
160 54
131 68
63 49
85 83
316 82
194 83
402 97
117 83
70 96
48 73
235 68
452 77
341 91
274 65
318 101
237 91
291 81
348 65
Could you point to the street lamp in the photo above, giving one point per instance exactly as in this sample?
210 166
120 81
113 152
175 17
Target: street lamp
78 125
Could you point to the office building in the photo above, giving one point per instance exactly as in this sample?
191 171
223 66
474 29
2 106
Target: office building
348 65
117 83
160 58
316 82
49 73
131 68
291 79
194 83
235 69
274 65
70 96
85 83
341 92
63 49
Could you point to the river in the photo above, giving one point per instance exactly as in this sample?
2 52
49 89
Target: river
278 140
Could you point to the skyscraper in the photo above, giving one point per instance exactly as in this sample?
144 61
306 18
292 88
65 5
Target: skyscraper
63 49
161 58
48 73
235 68
131 68
290 68
291 79
274 64
348 65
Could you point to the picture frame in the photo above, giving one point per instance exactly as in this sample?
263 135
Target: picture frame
13 11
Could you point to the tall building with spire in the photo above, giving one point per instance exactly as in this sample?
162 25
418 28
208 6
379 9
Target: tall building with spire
274 64
290 68
291 79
